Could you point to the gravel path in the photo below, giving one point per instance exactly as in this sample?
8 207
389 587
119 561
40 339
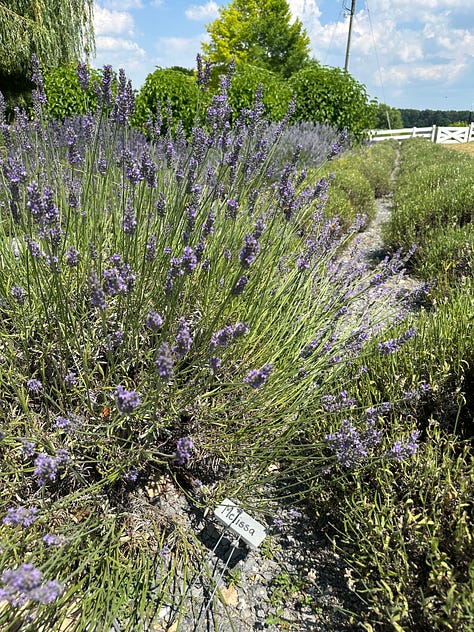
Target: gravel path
294 581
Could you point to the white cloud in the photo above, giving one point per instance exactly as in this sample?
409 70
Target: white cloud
423 73
203 12
110 43
116 42
179 51
122 5
116 22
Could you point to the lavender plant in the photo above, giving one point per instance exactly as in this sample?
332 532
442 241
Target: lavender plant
162 298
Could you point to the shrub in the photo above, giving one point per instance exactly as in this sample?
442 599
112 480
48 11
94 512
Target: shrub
330 95
439 199
276 92
311 141
405 529
357 177
65 95
448 254
166 305
166 86
412 524
378 166
355 186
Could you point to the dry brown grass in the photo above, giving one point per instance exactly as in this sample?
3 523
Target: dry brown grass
465 148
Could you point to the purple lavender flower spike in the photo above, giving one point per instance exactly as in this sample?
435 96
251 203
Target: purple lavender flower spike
131 476
183 339
33 248
406 448
102 165
232 209
333 403
184 449
62 423
259 227
249 251
34 386
39 95
118 279
239 287
106 97
164 363
46 469
389 346
394 344
208 226
129 219
153 320
97 293
124 105
25 583
18 294
258 377
151 249
73 155
72 257
149 170
53 540
21 516
33 200
188 260
352 446
229 334
203 72
126 401
83 75
215 364
160 205
28 448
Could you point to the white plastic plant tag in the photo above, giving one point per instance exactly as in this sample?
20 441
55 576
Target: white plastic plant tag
240 523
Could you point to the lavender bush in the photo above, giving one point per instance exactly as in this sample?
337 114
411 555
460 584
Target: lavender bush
162 298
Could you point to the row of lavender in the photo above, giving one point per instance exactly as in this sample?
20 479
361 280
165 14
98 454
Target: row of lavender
164 299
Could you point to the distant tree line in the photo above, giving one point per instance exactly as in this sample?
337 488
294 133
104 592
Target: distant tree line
425 118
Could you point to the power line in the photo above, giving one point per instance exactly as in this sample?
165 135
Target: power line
377 59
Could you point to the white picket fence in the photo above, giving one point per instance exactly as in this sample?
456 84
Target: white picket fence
436 133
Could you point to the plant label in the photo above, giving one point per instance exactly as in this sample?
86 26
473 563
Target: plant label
240 523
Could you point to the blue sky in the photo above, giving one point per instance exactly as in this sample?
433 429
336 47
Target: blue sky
408 53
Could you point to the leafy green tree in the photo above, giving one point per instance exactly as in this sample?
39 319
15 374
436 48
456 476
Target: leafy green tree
388 117
57 31
258 32
331 95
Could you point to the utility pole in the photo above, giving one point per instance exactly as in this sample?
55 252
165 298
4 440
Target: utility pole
351 16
